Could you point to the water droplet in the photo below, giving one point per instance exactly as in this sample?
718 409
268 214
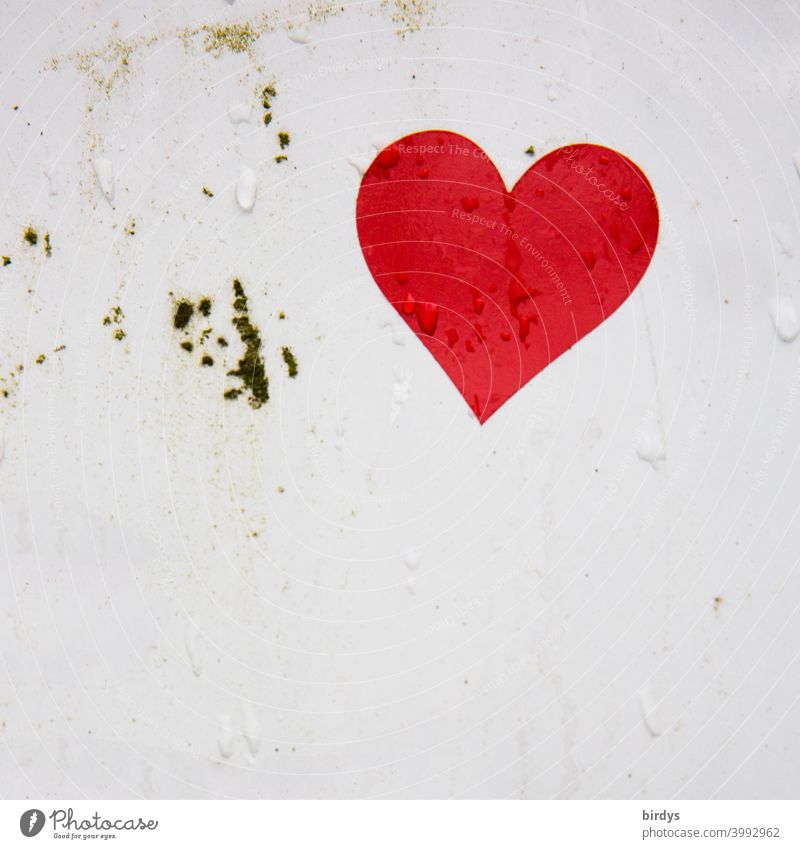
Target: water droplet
510 203
246 189
470 204
402 279
603 159
635 244
423 173
226 736
650 446
784 318
452 336
539 193
104 172
625 194
412 559
239 113
428 317
388 158
513 258
479 329
250 729
470 347
193 649
505 335
478 303
409 305
420 159
589 259
517 293
360 163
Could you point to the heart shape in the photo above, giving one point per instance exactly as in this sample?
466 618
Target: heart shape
495 283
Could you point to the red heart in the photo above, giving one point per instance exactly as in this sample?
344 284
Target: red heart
497 284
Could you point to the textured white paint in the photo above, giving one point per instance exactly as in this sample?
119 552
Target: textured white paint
564 588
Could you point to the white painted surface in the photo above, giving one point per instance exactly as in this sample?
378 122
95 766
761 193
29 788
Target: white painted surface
560 576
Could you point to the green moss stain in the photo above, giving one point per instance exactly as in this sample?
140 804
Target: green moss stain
187 346
115 316
291 362
31 236
48 248
6 260
281 158
204 307
206 360
184 310
284 139
251 369
207 192
531 151
267 93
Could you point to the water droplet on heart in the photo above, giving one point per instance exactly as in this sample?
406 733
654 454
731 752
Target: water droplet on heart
513 258
479 329
452 336
469 346
478 303
525 325
428 317
603 159
409 305
420 159
635 244
388 158
613 231
589 259
626 194
505 335
423 173
539 193
510 203
402 279
470 204
517 293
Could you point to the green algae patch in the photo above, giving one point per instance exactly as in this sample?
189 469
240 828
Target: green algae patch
236 37
251 369
291 362
284 139
184 310
115 316
31 236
